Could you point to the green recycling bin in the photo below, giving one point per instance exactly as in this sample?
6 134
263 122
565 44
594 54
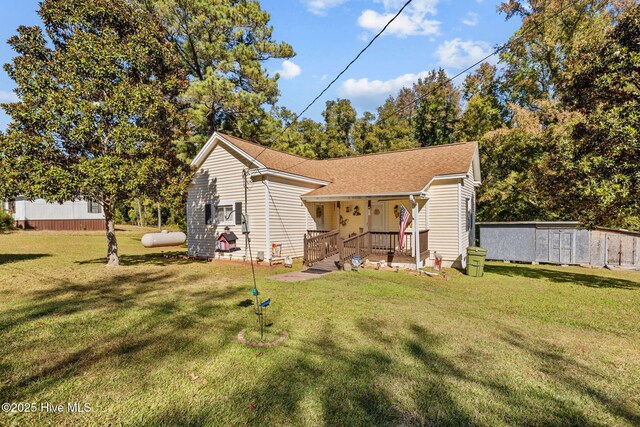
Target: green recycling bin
475 261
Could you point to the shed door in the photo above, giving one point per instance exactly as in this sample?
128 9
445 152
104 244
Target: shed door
613 249
566 246
542 245
627 250
554 247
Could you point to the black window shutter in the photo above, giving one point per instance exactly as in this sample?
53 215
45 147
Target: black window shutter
89 206
238 213
207 214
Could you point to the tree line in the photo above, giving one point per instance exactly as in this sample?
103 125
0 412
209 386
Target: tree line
116 96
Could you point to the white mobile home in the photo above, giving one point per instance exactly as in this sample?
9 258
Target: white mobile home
41 215
348 206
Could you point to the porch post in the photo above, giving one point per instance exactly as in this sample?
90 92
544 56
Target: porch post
368 241
416 232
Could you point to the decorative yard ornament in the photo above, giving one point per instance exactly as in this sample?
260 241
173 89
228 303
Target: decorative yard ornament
356 261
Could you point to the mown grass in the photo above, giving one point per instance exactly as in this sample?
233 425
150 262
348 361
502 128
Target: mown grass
154 342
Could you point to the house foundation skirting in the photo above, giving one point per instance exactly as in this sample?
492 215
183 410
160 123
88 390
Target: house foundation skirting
62 224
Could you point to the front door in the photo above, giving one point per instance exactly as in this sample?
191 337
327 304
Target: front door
379 223
378 216
319 217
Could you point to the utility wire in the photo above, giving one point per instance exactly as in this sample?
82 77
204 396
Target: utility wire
344 70
495 52
424 95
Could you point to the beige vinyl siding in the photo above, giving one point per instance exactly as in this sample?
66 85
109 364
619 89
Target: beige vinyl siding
422 217
467 192
443 218
329 223
220 179
356 224
289 217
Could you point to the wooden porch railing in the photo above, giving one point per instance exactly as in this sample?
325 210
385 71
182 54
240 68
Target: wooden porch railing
326 244
358 245
314 233
321 246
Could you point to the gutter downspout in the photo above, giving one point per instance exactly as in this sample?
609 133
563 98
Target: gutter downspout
267 228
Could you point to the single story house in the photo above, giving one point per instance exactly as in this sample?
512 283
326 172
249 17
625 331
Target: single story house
41 215
314 209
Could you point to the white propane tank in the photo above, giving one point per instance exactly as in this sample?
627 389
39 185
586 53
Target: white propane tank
164 238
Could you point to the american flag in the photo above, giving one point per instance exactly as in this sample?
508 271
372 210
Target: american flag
405 217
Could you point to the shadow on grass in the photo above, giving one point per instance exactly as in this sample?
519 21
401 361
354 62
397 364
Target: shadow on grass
397 376
508 400
159 259
591 280
574 375
7 258
157 322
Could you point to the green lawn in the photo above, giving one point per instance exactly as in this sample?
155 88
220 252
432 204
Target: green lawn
154 342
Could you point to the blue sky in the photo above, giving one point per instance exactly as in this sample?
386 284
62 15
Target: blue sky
327 34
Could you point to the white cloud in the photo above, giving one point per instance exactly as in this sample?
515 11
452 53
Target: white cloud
289 70
459 53
412 21
372 93
471 19
320 7
7 97
363 37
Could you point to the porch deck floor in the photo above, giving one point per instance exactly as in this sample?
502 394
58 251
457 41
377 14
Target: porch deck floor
320 268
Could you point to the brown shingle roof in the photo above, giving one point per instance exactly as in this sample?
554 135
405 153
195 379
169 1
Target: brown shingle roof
403 171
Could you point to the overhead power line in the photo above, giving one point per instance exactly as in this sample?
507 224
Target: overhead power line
475 64
424 95
335 79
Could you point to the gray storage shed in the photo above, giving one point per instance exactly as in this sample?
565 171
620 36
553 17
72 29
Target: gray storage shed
559 243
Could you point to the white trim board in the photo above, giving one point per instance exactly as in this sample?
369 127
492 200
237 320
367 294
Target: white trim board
286 175
202 155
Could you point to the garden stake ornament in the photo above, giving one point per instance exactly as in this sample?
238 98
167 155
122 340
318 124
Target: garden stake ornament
254 291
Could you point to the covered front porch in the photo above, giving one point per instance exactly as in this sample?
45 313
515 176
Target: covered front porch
367 228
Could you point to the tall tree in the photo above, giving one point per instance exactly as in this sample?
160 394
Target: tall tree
339 117
98 107
597 173
437 111
393 130
298 137
484 111
364 139
511 156
535 59
223 44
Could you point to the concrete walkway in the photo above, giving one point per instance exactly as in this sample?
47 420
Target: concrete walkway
323 267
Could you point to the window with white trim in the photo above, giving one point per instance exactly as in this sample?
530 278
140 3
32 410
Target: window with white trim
225 214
